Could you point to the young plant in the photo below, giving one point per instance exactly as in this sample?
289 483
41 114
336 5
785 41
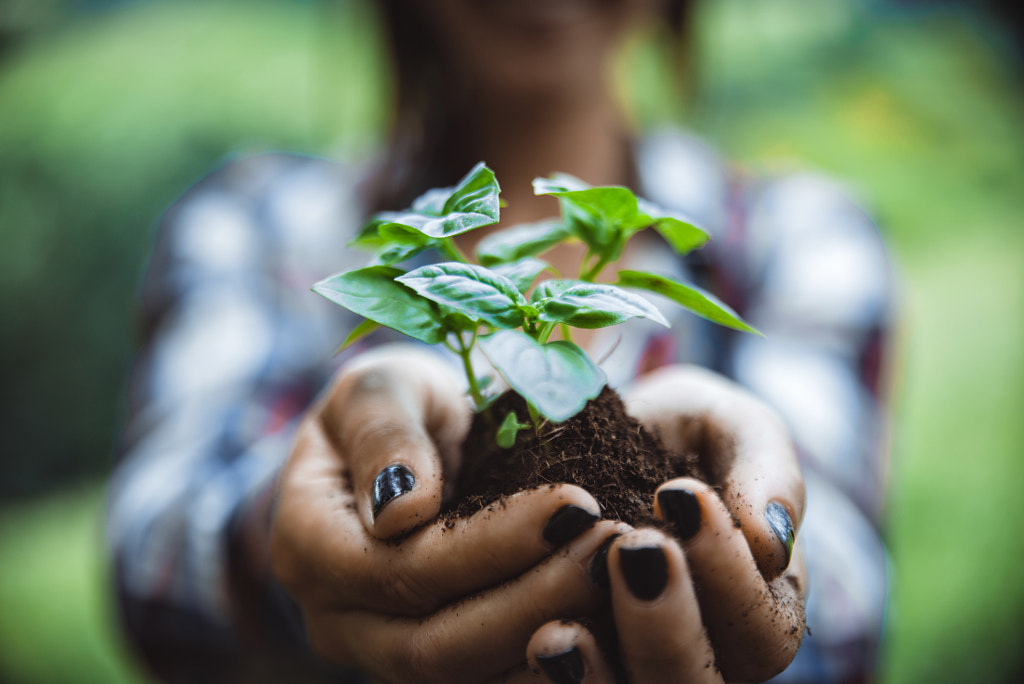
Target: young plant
491 302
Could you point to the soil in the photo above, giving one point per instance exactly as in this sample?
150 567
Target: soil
601 449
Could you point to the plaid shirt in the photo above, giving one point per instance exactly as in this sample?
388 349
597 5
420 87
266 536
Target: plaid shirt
236 347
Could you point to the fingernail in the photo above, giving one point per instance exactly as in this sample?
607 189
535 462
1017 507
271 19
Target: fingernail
782 525
391 482
568 522
645 570
681 507
563 668
598 568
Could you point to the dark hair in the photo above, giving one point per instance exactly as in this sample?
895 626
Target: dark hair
422 124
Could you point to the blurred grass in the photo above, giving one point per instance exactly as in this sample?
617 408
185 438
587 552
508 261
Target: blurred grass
104 120
56 626
102 123
958 594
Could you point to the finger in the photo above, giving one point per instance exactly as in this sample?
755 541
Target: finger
564 652
755 627
661 635
744 448
393 418
323 554
480 637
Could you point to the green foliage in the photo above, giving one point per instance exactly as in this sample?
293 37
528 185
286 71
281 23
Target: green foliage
605 218
512 244
508 430
483 295
591 305
698 301
459 303
374 293
434 218
557 378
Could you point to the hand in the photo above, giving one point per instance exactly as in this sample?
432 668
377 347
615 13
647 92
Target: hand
723 600
449 602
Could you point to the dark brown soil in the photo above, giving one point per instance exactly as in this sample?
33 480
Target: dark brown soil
601 449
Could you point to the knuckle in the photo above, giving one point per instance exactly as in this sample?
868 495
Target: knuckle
407 596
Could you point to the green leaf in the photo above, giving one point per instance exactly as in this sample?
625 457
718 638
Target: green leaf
358 333
508 430
522 273
373 293
594 305
456 321
552 288
698 301
683 237
679 230
401 243
369 237
559 182
513 244
477 193
470 204
602 217
432 201
558 378
392 242
478 292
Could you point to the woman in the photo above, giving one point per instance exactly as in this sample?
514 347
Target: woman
202 505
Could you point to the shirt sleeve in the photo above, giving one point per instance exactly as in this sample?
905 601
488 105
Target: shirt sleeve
234 347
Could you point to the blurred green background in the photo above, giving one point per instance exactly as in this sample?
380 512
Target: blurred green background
108 110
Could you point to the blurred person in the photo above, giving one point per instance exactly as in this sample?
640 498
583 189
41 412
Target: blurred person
254 525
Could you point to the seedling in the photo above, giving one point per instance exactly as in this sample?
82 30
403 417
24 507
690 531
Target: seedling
491 301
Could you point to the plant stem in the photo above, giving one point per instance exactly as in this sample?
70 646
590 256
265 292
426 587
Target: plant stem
464 351
452 251
590 274
535 419
545 332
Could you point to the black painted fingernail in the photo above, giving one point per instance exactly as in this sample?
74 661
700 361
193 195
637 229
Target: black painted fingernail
645 570
563 668
782 525
681 507
391 482
598 568
568 522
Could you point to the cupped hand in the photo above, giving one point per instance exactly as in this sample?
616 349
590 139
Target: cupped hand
738 529
743 447
722 598
695 611
453 601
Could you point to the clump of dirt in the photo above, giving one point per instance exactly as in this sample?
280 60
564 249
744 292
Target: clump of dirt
601 449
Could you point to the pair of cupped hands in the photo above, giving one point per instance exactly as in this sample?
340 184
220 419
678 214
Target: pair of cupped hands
389 589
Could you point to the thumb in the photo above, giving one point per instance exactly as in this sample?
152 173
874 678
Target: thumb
396 417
